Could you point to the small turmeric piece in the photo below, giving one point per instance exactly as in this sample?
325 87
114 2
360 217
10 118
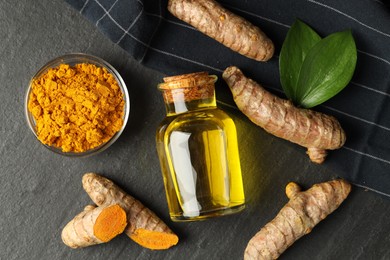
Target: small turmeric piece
233 31
94 225
316 131
144 227
76 108
297 218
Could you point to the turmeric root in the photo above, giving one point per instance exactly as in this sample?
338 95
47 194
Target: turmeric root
95 225
316 131
144 227
297 218
231 30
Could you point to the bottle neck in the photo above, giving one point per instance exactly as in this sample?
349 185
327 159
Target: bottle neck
179 105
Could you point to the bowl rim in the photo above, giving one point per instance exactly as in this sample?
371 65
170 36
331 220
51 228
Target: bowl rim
71 59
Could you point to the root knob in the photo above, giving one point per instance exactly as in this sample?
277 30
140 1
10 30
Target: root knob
316 155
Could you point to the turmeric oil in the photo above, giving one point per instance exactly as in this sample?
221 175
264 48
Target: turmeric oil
198 151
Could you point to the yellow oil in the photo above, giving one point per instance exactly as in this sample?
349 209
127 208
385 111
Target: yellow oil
200 164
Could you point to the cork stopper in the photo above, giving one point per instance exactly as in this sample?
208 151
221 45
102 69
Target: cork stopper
188 87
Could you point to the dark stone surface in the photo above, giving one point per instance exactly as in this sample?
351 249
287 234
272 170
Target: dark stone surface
41 191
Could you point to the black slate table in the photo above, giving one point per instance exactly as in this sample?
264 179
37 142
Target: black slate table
41 191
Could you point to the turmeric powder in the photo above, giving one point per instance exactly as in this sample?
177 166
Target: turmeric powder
76 108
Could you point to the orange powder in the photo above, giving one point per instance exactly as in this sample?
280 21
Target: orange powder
76 108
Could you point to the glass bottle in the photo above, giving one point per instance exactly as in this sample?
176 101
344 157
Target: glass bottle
198 151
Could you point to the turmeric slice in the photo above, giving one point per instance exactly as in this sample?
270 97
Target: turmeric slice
144 227
297 218
95 225
233 31
316 131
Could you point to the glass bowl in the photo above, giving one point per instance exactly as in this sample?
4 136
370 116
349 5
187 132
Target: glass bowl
72 59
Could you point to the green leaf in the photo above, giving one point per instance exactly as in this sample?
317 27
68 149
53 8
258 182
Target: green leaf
300 39
327 69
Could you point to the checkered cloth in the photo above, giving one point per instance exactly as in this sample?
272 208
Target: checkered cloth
146 30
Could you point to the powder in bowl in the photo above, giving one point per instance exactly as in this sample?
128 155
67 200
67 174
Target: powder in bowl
76 108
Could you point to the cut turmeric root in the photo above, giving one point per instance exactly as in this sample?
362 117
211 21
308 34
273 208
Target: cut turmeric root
231 30
144 227
316 131
297 218
95 225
